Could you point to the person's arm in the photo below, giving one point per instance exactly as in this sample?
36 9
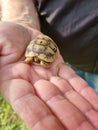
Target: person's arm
21 12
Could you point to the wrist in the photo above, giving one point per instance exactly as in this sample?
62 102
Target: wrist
21 12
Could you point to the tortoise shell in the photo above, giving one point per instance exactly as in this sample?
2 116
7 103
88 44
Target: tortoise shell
41 51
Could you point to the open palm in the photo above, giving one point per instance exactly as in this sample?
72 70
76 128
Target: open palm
27 88
16 77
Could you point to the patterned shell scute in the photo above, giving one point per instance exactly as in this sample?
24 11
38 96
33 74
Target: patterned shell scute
44 48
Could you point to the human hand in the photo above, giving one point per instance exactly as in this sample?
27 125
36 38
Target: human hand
13 71
18 85
53 104
71 100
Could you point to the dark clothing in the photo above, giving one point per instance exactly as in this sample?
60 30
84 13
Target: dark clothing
73 25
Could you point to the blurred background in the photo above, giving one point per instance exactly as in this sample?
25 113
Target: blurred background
8 118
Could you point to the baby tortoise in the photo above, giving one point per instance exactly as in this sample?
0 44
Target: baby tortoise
41 51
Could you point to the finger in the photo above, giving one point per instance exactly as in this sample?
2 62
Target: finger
79 85
7 59
66 112
13 41
19 70
76 99
20 94
8 53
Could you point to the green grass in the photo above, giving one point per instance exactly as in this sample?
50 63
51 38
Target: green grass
8 118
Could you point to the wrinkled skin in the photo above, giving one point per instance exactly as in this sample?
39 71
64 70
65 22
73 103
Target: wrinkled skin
43 98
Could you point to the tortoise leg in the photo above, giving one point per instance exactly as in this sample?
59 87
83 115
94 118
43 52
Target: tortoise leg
45 64
28 60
